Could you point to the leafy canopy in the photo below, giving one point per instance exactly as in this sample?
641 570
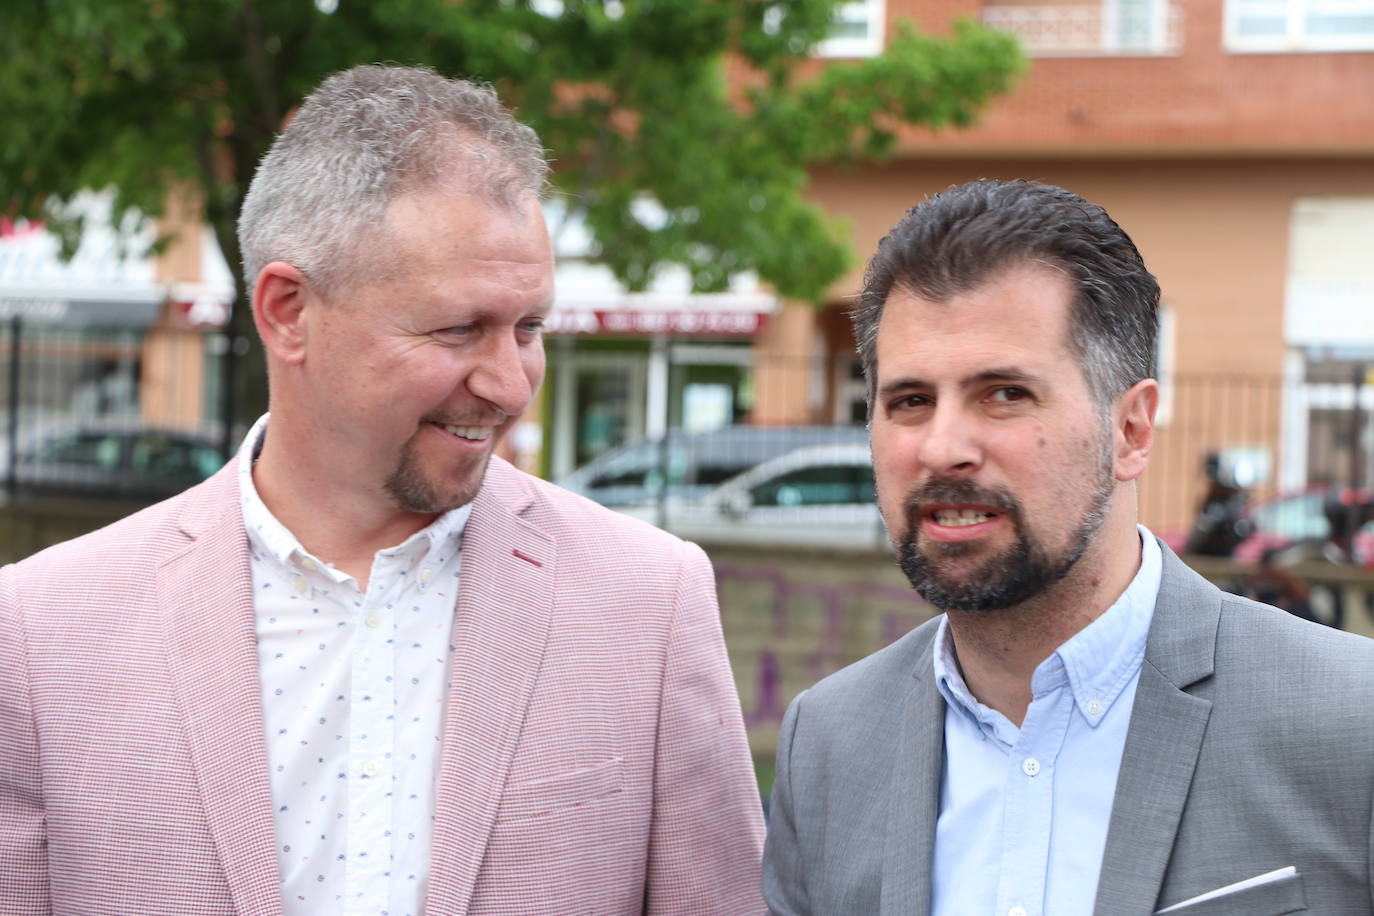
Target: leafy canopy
713 108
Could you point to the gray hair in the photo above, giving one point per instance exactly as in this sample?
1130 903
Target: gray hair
364 137
956 240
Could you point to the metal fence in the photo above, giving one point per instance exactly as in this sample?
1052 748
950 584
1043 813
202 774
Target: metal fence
660 430
661 454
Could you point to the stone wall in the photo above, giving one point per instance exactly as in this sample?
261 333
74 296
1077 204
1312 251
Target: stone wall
793 616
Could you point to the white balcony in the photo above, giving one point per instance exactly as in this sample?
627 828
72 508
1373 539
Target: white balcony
1129 28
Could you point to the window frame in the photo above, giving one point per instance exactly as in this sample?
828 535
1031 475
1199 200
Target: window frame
874 15
1295 37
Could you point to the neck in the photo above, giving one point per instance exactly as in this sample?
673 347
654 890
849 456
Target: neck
999 650
330 517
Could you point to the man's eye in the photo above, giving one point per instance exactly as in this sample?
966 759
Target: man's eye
1010 393
910 402
532 325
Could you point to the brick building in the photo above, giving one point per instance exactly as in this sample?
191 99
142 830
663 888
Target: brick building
1234 139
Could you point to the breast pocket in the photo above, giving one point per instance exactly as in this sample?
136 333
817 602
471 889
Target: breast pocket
545 795
1276 898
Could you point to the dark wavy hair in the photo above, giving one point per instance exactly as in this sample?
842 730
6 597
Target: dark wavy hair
956 240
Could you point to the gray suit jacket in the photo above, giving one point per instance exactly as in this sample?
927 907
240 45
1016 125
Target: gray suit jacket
1251 748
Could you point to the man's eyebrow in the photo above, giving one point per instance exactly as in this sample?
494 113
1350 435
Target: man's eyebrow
1000 374
995 374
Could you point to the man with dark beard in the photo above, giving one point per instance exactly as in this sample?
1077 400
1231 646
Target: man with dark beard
1090 727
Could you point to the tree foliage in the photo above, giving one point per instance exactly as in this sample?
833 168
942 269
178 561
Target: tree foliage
631 96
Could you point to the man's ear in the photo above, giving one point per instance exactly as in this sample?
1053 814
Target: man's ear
1133 428
279 302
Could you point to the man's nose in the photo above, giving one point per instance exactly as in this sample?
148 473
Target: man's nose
500 376
951 445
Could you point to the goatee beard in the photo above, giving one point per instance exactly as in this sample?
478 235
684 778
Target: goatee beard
1012 577
412 491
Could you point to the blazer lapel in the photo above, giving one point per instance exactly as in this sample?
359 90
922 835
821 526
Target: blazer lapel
505 600
211 637
1163 742
915 793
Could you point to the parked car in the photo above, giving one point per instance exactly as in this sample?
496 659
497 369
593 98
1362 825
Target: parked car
1318 523
693 463
107 460
816 496
1322 524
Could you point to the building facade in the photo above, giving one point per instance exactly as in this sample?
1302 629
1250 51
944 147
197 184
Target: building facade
1234 139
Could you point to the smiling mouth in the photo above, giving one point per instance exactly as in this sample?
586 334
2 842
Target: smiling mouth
471 433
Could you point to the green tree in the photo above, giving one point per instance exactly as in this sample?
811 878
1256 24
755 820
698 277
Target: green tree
631 96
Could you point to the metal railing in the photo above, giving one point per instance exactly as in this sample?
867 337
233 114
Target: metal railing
106 412
1268 434
1091 30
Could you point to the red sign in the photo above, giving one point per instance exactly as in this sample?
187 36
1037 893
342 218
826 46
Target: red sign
656 323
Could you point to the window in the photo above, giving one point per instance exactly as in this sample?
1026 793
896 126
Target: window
1110 28
1297 518
825 485
173 459
1164 365
1330 273
1300 25
92 449
858 30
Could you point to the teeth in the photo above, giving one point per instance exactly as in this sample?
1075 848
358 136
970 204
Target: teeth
958 518
469 432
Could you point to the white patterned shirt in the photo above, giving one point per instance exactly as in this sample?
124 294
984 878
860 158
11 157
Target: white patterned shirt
353 700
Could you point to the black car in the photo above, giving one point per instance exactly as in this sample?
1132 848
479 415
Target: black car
107 461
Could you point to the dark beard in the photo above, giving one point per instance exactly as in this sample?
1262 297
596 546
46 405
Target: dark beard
1016 575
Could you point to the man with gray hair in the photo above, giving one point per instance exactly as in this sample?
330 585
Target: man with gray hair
369 667
1090 727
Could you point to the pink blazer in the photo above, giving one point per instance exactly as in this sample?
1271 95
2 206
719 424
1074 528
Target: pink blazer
594 755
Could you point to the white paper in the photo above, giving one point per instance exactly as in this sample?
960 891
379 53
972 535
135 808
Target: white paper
1266 878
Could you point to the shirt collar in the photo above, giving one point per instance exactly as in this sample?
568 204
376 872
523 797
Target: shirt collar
269 536
1097 662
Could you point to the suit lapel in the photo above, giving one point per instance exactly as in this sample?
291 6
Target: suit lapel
915 793
504 608
205 594
1163 742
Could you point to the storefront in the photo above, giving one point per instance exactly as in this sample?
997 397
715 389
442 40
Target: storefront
97 335
625 367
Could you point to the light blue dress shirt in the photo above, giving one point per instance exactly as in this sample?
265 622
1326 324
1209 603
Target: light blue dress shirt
1024 811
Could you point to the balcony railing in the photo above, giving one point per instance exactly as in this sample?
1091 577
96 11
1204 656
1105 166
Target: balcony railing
1091 31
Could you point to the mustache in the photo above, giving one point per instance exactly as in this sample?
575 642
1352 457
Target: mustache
940 491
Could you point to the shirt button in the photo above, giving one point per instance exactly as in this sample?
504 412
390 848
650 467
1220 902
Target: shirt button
1030 766
371 769
1017 911
425 575
1094 707
309 564
372 620
301 585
